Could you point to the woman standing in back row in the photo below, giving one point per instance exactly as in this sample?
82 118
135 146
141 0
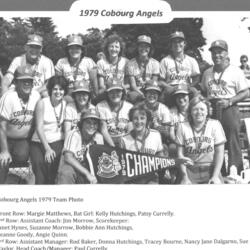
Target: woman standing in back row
76 66
112 66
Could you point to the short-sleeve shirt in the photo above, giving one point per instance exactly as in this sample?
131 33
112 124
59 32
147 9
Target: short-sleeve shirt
42 70
143 73
161 116
75 73
73 144
19 115
109 71
175 72
117 122
153 143
232 81
199 146
177 117
72 115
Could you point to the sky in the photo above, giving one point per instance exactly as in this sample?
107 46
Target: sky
226 27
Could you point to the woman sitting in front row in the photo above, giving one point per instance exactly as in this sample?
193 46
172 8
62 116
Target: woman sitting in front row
201 139
73 167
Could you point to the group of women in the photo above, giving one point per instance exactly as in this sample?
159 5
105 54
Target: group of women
117 102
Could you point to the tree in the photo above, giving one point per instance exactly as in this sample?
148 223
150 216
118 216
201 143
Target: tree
13 37
53 45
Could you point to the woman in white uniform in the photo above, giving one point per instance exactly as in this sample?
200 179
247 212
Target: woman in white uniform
73 167
82 103
112 66
76 66
143 139
202 140
141 69
114 111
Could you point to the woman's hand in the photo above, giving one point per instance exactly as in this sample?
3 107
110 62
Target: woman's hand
214 180
5 159
50 155
185 180
184 161
92 179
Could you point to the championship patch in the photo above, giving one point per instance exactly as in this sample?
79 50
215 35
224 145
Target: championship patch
108 165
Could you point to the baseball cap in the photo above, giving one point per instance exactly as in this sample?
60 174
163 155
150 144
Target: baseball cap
114 84
177 34
35 40
74 40
181 89
81 86
24 73
152 85
144 39
90 113
219 44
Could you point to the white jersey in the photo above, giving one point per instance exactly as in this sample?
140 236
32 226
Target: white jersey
177 117
117 122
143 73
109 71
223 85
72 115
52 130
18 114
199 146
161 115
152 144
73 143
77 72
42 70
175 72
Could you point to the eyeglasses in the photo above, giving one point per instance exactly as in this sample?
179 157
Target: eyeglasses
244 61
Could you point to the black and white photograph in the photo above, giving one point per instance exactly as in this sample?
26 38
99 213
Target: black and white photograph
102 94
177 93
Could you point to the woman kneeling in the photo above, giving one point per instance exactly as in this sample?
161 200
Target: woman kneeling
74 166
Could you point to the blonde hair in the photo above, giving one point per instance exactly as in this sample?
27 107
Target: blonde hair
194 101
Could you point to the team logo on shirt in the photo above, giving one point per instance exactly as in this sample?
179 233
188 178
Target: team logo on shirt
108 165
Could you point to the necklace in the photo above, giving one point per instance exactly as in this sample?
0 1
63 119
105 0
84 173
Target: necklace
202 130
142 66
116 112
141 150
218 82
24 107
58 117
114 67
177 61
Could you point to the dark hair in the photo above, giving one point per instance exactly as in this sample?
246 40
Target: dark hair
174 97
57 80
244 56
195 100
142 108
110 39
